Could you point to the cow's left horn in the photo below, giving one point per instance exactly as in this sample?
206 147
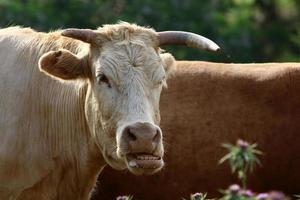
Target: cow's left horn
85 35
188 39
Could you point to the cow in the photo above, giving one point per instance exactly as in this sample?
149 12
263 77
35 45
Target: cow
74 100
208 104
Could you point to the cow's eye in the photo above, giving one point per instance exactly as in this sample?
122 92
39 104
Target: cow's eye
101 78
162 81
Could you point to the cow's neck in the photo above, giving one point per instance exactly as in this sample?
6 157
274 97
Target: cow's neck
64 103
60 110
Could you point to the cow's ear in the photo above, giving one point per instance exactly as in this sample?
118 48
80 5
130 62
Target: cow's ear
169 63
63 64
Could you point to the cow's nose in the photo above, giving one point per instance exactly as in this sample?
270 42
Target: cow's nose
142 137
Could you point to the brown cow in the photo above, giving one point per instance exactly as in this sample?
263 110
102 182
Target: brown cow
207 104
73 100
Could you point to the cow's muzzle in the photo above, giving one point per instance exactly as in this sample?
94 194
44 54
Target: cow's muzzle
141 144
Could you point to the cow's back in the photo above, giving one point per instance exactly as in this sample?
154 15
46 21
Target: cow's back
207 104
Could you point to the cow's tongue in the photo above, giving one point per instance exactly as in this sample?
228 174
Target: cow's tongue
145 161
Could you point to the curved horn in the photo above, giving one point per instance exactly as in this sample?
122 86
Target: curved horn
188 39
85 35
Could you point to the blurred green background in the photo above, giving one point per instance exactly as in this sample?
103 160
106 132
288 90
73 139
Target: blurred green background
247 30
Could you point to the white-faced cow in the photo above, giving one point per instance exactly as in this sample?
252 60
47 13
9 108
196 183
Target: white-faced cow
73 100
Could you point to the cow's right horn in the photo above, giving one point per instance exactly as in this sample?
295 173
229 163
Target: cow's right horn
85 35
188 39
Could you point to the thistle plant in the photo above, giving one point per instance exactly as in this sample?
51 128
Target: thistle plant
197 196
235 192
242 158
124 198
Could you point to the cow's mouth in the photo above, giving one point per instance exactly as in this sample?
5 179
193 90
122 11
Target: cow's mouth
144 163
113 160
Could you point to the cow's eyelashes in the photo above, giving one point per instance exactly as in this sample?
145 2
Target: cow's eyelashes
101 78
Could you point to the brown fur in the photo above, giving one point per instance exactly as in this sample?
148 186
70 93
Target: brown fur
207 104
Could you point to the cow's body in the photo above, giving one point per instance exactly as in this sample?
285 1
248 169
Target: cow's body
56 135
44 146
207 104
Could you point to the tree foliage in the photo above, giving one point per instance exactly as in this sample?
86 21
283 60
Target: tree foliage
247 30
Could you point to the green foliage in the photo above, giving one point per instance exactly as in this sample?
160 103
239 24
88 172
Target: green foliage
247 30
242 159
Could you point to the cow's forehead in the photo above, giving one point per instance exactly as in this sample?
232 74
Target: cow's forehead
122 60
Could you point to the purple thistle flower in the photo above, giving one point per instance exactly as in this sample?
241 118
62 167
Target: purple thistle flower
234 189
242 144
262 196
276 195
196 195
122 198
246 193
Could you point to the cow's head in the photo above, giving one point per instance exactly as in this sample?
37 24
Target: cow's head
126 72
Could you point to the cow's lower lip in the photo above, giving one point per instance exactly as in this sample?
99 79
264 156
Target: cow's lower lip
144 163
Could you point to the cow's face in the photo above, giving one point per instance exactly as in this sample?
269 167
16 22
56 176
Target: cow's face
126 73
127 79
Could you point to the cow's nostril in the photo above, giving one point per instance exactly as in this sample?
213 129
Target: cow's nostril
131 136
156 136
